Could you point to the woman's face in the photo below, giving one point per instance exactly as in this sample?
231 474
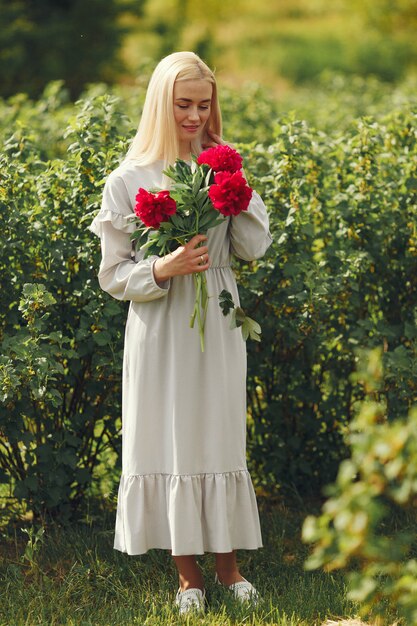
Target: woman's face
192 102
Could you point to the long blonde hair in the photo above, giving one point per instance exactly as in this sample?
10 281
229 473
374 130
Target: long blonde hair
156 137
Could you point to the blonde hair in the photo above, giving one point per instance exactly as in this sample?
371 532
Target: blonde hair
156 137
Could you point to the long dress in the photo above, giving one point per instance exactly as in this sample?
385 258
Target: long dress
185 485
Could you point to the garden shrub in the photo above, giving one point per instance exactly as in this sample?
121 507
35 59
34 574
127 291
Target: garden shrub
340 274
367 525
60 374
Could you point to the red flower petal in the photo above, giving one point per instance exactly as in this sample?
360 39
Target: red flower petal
230 194
221 158
154 208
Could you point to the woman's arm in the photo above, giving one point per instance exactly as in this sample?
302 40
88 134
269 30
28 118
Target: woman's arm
125 274
249 231
122 276
121 273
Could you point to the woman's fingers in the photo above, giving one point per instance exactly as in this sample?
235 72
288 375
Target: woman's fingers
198 253
215 137
201 255
202 263
188 259
195 241
216 140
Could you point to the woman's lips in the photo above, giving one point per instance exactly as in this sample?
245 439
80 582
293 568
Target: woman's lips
191 129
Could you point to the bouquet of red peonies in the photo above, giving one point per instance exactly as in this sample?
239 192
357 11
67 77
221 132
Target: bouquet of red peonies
202 194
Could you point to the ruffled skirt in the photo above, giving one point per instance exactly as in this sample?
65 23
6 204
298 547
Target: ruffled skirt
188 514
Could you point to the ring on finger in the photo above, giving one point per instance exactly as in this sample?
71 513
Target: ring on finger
202 258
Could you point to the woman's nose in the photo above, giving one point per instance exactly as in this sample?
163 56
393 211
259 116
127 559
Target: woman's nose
193 114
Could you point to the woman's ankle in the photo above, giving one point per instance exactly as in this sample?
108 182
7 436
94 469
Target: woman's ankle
189 573
190 584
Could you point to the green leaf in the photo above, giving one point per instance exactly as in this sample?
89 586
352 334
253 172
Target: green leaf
226 301
251 329
102 338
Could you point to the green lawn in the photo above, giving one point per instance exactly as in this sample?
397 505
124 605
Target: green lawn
76 578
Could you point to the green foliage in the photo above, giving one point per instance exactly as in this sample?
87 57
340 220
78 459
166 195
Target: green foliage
388 17
337 100
365 525
294 40
30 556
249 115
60 373
340 274
302 57
238 318
72 40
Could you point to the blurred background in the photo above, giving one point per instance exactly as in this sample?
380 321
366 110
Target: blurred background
279 44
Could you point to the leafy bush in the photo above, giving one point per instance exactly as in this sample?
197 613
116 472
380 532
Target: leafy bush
43 463
341 274
337 100
368 522
60 376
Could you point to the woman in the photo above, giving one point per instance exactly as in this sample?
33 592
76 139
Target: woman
185 486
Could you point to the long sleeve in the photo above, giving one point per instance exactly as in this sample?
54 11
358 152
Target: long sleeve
249 231
123 275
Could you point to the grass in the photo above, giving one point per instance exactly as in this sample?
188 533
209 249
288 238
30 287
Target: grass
74 577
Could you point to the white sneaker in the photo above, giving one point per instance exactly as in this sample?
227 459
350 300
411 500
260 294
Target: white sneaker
243 590
190 600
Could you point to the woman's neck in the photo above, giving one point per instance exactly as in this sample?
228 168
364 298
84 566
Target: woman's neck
185 151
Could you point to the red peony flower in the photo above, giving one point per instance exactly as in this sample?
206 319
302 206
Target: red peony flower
230 194
221 158
154 208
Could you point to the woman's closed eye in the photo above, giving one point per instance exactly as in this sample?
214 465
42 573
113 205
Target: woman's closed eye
185 106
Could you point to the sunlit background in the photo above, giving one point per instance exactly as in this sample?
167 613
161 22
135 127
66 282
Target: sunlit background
277 43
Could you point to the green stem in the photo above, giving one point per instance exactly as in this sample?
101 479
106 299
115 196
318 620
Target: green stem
201 291
197 221
194 313
199 320
204 298
200 303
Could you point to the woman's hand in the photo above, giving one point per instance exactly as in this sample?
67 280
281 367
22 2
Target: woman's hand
214 140
187 259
